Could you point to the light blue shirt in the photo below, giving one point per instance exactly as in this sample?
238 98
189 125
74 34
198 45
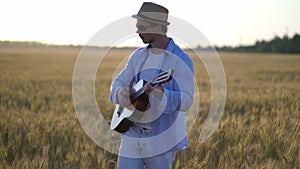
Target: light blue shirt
178 93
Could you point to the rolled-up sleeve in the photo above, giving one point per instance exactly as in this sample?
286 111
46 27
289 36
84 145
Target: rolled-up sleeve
181 97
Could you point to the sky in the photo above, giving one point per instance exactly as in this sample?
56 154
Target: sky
231 22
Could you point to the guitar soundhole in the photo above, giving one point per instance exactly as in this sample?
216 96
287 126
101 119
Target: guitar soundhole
142 103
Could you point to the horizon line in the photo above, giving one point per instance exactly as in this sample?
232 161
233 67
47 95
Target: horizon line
44 43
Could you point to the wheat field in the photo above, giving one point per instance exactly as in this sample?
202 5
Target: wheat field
260 127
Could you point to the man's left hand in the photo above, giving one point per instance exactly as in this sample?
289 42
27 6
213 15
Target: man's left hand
158 90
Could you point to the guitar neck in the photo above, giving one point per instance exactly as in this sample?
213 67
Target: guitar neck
161 78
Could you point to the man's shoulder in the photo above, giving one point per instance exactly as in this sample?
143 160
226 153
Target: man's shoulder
138 51
183 55
136 54
175 49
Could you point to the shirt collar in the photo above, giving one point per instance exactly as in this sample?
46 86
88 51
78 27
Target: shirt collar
170 47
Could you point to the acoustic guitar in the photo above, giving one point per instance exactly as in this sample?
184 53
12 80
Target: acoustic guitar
122 116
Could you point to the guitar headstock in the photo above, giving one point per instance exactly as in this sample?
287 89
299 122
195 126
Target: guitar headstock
163 77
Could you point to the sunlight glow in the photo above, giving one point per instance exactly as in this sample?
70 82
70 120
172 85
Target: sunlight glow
230 22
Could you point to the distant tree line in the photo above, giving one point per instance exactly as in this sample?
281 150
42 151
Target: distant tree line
7 43
276 45
20 44
35 44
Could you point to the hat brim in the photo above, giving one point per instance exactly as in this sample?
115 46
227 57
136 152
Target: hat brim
137 16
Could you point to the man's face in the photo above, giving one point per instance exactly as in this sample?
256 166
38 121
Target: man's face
146 30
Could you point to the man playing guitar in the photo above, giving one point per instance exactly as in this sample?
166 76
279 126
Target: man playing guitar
153 138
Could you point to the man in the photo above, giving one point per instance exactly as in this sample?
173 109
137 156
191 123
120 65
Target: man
153 140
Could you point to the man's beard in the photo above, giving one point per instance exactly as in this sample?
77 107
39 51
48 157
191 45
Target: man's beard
145 38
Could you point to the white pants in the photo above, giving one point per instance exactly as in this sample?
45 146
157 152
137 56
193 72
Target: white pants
136 148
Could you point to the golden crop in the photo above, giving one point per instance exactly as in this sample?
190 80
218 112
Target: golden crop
260 127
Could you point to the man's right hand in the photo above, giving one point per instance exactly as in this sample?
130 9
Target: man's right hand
123 98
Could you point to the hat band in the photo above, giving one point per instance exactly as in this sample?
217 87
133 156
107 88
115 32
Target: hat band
153 19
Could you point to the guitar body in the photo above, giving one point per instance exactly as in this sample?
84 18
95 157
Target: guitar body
119 122
124 125
122 117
